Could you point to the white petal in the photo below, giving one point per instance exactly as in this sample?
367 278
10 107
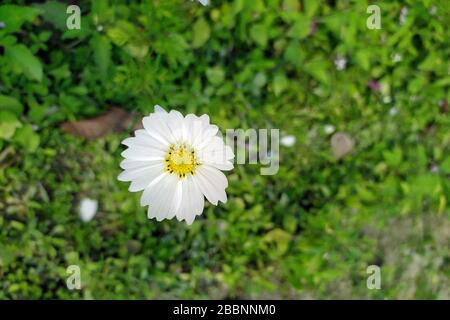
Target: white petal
175 124
212 183
143 153
216 145
141 133
217 154
134 173
208 135
144 179
146 195
192 201
204 118
158 108
143 139
176 201
156 126
211 130
226 166
88 209
194 128
229 154
131 164
164 197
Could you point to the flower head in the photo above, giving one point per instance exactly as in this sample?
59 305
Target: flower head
403 15
340 62
374 85
288 141
177 162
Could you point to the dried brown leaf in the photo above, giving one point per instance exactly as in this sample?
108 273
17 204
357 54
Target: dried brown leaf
115 120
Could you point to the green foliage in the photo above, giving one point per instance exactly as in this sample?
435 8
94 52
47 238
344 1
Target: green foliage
20 56
311 230
8 124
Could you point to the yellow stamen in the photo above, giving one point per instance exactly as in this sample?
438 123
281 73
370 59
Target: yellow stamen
180 159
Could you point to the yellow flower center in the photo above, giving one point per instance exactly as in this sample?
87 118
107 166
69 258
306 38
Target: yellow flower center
180 159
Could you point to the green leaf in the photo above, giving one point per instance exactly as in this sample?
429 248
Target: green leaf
432 62
7 255
393 157
26 137
8 124
23 57
37 113
102 53
291 5
201 33
416 84
294 54
445 166
280 237
100 9
136 50
319 70
363 59
215 75
121 33
311 7
280 83
7 41
55 13
258 33
300 29
14 16
11 104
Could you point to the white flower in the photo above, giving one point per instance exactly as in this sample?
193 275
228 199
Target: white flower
433 10
88 209
329 128
396 57
340 62
403 15
177 161
288 141
393 111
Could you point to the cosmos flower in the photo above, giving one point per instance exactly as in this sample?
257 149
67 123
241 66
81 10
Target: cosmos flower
177 161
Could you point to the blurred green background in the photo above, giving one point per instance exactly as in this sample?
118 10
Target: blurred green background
310 68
